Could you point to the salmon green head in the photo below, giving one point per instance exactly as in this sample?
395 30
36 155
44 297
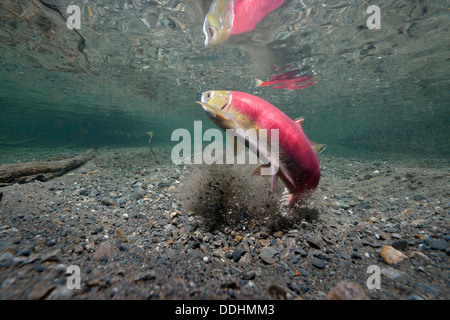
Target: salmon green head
218 105
218 22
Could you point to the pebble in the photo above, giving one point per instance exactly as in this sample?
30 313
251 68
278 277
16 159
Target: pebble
267 254
119 234
314 241
249 275
54 256
436 244
420 255
391 255
400 244
318 263
107 202
237 254
356 255
104 251
392 273
346 290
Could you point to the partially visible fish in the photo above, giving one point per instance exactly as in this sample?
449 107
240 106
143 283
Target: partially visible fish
289 80
297 163
229 17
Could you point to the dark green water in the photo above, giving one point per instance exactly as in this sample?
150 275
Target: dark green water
138 65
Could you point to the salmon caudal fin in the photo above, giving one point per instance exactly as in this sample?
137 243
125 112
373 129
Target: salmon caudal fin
258 82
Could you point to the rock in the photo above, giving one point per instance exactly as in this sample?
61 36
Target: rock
436 244
420 256
83 192
264 242
238 253
249 275
54 256
78 249
138 194
267 254
145 276
346 290
104 251
314 242
119 234
5 258
392 273
391 255
356 255
107 202
400 244
318 263
40 291
97 230
246 259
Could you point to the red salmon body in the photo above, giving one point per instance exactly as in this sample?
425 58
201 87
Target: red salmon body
299 165
247 13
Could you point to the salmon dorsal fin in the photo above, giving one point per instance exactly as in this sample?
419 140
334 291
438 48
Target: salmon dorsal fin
300 120
318 148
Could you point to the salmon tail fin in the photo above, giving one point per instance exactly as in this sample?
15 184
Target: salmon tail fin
258 82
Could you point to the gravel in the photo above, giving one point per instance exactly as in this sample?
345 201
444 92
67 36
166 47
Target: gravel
138 230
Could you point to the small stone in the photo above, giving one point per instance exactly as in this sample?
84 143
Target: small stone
97 230
420 255
40 291
356 255
249 275
314 242
54 255
264 242
318 263
391 255
237 254
239 238
267 254
145 276
346 290
170 242
119 234
83 192
78 249
436 244
392 273
439 210
107 202
104 251
246 259
400 244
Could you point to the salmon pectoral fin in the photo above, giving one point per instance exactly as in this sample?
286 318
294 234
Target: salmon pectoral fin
257 171
318 148
273 177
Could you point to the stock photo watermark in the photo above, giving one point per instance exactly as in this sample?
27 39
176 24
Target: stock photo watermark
257 141
74 20
74 280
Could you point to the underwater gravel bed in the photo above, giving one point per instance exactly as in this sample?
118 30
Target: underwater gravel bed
124 221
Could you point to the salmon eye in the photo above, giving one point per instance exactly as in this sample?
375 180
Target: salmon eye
211 32
208 95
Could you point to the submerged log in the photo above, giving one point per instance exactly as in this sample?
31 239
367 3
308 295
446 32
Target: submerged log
42 170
